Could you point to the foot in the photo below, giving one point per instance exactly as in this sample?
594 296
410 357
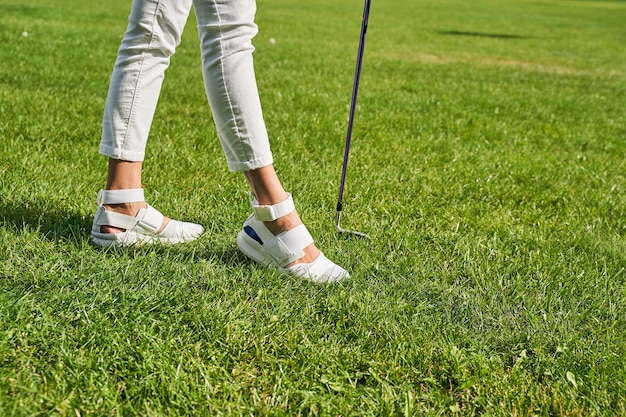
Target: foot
275 236
129 209
124 218
286 223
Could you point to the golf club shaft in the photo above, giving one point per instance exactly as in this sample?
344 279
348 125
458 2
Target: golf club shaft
355 89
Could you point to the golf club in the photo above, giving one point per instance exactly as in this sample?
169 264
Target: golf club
355 89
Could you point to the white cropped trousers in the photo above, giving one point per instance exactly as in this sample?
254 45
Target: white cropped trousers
225 29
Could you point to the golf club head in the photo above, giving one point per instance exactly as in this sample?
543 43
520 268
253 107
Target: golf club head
341 230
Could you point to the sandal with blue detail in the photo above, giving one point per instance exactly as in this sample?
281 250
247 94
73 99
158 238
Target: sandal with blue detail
282 250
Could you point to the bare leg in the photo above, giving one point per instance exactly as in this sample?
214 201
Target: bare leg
124 175
268 190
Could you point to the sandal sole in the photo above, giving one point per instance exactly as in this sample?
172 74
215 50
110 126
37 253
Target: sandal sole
136 240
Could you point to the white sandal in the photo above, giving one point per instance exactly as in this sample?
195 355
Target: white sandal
142 228
259 244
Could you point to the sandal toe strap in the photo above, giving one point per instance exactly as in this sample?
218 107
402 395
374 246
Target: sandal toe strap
117 220
150 219
147 220
288 246
321 269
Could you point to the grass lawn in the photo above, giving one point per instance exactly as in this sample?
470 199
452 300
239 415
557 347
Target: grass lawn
488 166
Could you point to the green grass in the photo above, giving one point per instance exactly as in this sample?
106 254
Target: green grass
488 165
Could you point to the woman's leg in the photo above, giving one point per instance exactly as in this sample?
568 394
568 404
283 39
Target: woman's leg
153 33
226 29
268 190
125 175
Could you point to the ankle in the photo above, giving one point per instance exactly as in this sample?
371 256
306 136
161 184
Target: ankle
130 209
283 224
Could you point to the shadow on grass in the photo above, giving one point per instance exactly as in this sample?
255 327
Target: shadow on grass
195 251
54 224
481 34
71 227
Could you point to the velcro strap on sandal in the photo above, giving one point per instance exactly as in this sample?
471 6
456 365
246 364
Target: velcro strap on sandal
150 219
131 195
273 212
289 246
110 218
